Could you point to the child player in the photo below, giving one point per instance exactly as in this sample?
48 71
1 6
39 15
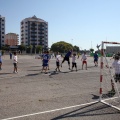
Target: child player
45 62
15 61
74 64
116 66
84 60
58 56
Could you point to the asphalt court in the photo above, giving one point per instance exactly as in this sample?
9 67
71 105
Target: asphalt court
30 92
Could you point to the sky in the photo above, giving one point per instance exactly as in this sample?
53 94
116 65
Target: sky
84 23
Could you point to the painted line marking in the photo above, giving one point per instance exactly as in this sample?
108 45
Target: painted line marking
38 113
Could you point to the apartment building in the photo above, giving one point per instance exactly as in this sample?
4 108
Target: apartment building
11 39
34 31
2 31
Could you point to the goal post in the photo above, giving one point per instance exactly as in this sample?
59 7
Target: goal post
109 88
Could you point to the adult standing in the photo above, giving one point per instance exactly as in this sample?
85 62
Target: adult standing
67 58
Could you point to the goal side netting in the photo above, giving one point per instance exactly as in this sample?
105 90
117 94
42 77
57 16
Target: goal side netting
110 75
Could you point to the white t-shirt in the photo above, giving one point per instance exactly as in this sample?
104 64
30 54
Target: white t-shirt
84 57
15 59
58 58
74 59
116 66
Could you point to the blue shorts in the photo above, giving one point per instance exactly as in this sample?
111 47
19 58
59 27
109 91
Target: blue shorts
45 64
95 60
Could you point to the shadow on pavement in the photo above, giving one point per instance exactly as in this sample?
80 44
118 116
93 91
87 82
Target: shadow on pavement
95 109
55 73
33 74
95 97
35 66
33 70
5 73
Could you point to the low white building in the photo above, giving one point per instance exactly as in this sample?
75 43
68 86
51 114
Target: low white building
112 49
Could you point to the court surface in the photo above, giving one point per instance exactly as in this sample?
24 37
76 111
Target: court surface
31 95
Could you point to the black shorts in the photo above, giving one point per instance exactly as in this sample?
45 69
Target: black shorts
15 64
117 77
66 59
74 64
57 64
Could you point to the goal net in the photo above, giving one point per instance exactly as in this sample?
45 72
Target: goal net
110 74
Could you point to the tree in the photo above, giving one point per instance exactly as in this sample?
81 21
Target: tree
76 48
91 50
5 47
22 47
61 47
39 48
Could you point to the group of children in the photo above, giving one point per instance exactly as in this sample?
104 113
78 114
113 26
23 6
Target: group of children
45 60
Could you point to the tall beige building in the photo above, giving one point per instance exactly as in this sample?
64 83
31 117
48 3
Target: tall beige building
34 31
11 39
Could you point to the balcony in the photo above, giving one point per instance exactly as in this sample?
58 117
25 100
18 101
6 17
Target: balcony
33 24
41 35
33 36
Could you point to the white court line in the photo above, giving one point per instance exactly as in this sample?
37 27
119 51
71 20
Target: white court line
38 113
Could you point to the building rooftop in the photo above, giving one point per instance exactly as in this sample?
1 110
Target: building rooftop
12 33
34 18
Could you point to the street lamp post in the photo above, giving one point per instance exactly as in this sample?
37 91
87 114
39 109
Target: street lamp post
72 41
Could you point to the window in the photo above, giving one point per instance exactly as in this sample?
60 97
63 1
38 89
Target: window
2 36
2 32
